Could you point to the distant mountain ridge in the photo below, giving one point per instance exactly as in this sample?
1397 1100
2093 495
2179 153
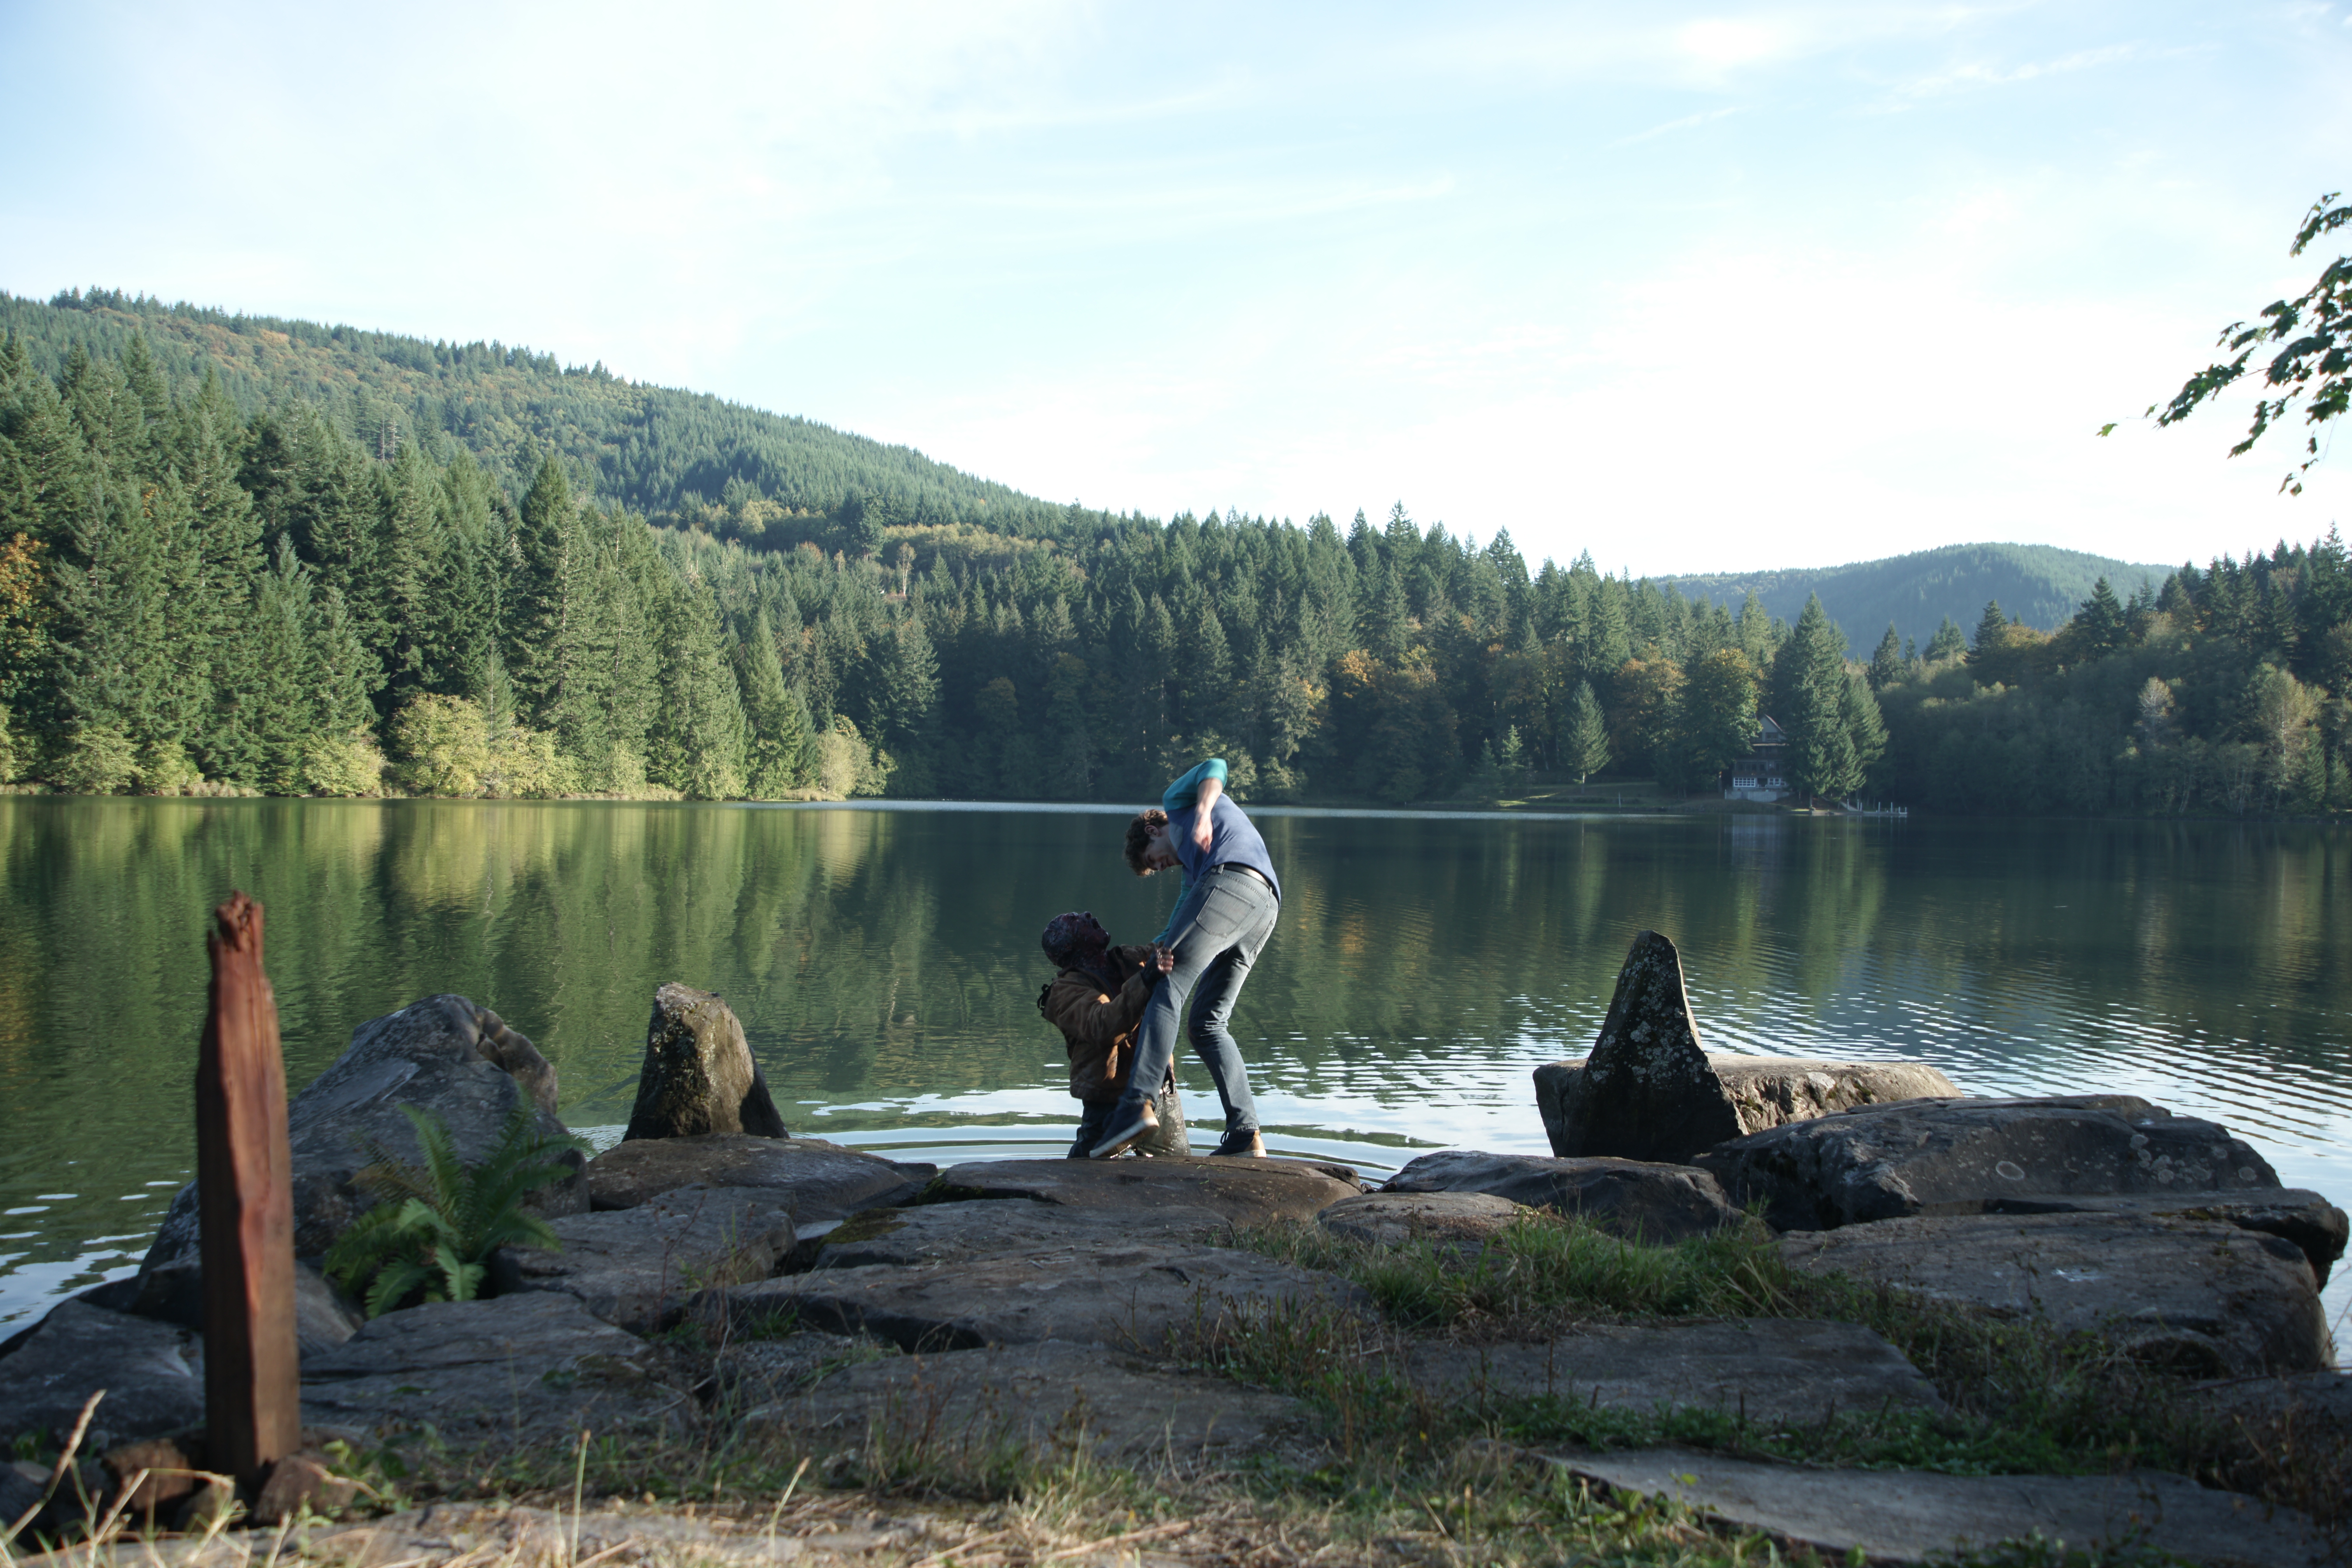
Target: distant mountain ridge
680 456
2038 583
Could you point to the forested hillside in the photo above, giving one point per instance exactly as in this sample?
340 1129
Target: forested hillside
653 450
2038 583
202 590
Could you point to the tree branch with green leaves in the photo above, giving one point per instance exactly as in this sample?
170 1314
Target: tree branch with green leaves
2312 335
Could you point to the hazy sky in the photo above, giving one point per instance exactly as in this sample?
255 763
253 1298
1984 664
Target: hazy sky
1698 287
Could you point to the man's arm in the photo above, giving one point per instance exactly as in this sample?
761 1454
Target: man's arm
1197 792
1210 790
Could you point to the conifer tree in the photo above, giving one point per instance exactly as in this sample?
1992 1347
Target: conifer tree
1585 745
1886 665
781 757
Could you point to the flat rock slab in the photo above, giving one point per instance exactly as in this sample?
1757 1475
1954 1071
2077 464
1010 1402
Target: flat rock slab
824 1180
1762 1091
1048 1399
1885 1162
2194 1295
1134 1297
944 1233
632 1266
506 1369
153 1374
1911 1515
1245 1191
1632 1198
2291 1214
1773 1370
1392 1219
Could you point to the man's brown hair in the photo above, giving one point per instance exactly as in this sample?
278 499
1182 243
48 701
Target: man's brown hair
1139 837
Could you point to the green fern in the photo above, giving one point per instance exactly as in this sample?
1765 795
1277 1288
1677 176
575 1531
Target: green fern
430 1235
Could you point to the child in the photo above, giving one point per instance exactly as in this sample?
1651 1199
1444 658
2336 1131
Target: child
1097 1001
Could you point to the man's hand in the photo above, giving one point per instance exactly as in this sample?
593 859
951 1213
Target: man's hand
1202 828
1163 959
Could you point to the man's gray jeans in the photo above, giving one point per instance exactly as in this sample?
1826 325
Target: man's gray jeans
1221 925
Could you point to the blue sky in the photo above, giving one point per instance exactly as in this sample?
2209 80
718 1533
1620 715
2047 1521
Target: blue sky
1695 287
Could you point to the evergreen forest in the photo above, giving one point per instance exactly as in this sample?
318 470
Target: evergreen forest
239 556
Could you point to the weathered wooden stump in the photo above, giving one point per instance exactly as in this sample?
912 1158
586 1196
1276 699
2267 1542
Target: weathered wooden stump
244 1172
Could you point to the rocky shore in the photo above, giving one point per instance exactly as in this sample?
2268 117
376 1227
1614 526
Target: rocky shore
1792 1301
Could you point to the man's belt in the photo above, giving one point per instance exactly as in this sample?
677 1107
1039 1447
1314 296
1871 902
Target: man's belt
1239 866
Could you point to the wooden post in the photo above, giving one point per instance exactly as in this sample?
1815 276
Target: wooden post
245 1192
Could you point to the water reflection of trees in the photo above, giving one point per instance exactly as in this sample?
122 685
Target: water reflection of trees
887 954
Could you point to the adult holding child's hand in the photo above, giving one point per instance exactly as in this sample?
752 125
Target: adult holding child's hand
1221 922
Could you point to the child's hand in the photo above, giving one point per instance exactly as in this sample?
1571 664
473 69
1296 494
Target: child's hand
1163 959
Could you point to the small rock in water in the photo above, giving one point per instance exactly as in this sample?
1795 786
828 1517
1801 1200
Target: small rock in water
1635 1199
698 1075
1882 1162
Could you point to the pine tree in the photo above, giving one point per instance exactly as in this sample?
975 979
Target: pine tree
1992 635
546 540
1585 745
782 756
1949 642
697 743
1888 665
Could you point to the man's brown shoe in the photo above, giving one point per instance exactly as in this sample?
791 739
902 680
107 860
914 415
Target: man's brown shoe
1126 1130
1242 1145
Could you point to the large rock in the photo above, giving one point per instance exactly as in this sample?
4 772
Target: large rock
1445 1218
2291 1214
1887 1161
698 1075
1245 1191
2198 1296
945 1233
630 1267
153 1374
1776 1370
324 1317
821 1181
1137 1298
443 1054
1053 1400
1763 1092
1646 1092
1911 1515
1650 1091
1630 1198
533 1364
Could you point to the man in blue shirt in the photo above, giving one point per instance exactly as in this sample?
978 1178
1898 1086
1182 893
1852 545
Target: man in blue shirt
1222 921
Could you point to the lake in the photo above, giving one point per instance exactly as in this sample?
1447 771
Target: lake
884 960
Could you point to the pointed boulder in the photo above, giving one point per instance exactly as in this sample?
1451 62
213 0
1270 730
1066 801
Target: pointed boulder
698 1075
1647 1092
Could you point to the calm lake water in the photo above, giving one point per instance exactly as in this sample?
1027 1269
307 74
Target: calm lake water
884 961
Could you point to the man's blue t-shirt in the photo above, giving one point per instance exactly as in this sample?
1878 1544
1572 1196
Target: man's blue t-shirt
1232 841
